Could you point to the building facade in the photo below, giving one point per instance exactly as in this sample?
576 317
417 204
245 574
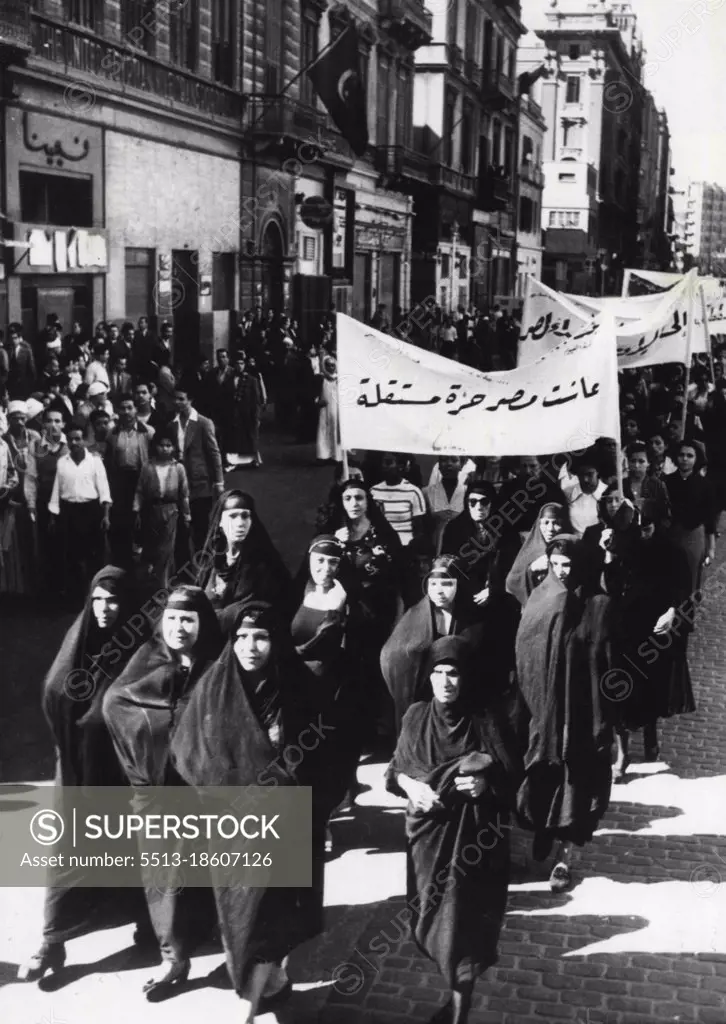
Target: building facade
532 128
703 228
122 170
166 159
654 216
465 138
593 110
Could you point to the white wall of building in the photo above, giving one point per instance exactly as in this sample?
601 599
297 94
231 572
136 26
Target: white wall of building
164 197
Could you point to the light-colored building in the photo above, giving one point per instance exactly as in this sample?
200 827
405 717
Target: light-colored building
465 132
593 111
702 227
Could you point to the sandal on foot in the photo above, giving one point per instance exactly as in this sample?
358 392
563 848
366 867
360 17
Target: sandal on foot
48 958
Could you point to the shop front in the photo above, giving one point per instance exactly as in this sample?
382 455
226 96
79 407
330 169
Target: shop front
59 271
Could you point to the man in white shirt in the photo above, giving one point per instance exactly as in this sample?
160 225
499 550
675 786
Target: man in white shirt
80 505
445 498
404 505
583 492
98 369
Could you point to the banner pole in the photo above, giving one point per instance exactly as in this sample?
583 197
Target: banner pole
619 465
689 350
704 314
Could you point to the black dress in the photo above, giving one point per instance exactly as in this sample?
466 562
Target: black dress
86 665
457 854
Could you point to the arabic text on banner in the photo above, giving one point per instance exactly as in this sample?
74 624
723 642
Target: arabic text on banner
659 336
396 397
713 291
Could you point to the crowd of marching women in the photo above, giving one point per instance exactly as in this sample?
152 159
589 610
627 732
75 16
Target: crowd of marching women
496 631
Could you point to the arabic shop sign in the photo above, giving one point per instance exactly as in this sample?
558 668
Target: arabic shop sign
395 396
390 239
52 250
659 335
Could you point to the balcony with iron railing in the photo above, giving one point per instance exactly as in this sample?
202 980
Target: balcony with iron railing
408 21
289 123
14 29
455 181
494 189
402 162
120 68
497 89
571 153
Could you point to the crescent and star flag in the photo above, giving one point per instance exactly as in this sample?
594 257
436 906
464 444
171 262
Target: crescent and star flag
337 79
393 396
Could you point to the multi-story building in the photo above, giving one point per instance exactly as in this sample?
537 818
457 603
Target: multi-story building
121 178
532 128
465 135
654 247
159 155
703 227
364 249
593 110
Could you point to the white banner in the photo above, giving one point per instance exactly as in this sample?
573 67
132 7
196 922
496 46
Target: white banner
713 290
659 336
396 397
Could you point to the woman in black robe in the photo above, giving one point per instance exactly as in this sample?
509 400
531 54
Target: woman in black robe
239 562
443 611
241 721
94 652
319 630
474 541
142 710
458 763
530 566
609 541
371 573
564 659
651 588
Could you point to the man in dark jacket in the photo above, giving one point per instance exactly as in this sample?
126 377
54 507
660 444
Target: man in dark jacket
199 451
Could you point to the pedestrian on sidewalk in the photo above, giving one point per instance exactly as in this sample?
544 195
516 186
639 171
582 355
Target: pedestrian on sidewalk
457 761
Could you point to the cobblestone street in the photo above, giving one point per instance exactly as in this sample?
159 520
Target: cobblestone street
640 938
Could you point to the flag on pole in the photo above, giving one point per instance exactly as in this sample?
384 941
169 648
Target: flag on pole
337 79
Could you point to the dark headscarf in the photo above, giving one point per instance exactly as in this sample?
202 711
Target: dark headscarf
440 741
259 572
143 706
233 729
519 581
88 661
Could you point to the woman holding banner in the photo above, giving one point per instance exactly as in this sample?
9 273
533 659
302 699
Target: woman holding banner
564 660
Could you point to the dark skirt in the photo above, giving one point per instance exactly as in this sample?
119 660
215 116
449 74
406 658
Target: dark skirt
693 545
458 874
566 802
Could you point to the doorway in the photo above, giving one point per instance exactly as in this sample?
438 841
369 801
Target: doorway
184 306
273 294
362 286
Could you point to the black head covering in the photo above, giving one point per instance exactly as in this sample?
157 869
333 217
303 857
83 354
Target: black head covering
89 660
327 544
258 572
194 599
519 582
